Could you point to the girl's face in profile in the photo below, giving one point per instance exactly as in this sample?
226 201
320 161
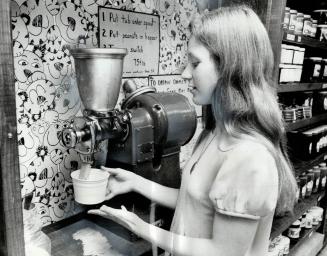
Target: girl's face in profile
202 69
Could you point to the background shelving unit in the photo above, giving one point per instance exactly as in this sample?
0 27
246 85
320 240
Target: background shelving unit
307 233
303 41
306 122
281 224
313 47
301 87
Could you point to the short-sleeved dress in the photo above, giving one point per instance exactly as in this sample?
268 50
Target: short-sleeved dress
241 181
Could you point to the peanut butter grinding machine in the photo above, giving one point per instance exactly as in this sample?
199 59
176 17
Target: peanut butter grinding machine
145 136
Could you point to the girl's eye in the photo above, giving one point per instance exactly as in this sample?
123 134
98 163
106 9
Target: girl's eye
195 64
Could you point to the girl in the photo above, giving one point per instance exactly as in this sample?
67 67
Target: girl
239 174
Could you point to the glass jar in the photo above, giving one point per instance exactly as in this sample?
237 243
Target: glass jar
323 176
308 221
285 244
322 33
286 21
315 216
302 225
314 28
303 186
311 69
297 196
293 18
310 177
324 71
307 25
319 213
293 232
316 185
299 24
320 16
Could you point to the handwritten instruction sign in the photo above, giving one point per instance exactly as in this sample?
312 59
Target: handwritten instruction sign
174 83
138 32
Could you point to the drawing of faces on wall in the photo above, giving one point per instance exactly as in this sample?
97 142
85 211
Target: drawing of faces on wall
91 6
54 41
119 4
61 197
40 20
167 7
53 6
28 68
41 94
27 144
72 22
44 172
67 100
57 66
145 6
43 212
174 36
71 162
20 33
26 181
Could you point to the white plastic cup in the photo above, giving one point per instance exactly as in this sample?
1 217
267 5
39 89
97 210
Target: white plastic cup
90 191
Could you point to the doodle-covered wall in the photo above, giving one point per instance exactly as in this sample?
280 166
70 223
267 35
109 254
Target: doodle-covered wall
47 97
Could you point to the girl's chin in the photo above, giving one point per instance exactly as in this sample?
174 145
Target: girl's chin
199 101
196 101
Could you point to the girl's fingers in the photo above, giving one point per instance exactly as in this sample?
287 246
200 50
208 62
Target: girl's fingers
96 212
124 208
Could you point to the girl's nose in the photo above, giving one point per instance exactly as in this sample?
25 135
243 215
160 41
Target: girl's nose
187 73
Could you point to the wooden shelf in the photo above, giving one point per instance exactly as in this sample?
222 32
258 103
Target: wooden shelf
303 41
282 223
301 166
298 87
307 234
306 122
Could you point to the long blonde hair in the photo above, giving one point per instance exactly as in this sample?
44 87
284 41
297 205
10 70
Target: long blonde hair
244 101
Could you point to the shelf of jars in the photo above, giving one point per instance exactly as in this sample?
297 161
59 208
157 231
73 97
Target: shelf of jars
281 224
306 122
301 166
298 87
306 234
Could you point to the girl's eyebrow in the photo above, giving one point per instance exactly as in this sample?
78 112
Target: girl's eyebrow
191 55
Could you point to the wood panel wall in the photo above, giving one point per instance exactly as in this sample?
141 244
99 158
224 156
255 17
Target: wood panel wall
275 18
11 221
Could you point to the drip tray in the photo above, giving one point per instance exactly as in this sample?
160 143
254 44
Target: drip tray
96 237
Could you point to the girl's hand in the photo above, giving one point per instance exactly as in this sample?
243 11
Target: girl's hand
120 181
123 217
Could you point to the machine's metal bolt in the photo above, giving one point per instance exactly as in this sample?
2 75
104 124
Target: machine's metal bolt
156 107
10 135
125 118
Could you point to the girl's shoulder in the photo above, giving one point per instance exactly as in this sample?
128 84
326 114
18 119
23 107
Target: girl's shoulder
247 182
250 151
